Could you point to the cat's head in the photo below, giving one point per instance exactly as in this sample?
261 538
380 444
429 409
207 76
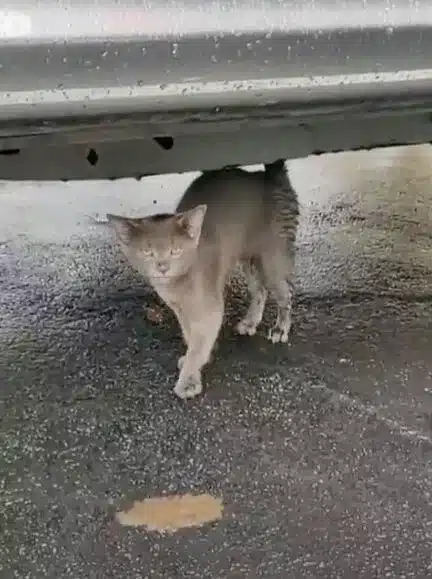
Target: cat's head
161 247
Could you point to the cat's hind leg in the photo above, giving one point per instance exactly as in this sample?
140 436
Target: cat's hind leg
278 269
258 293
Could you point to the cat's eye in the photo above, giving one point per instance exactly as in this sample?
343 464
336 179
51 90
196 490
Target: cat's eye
176 251
146 252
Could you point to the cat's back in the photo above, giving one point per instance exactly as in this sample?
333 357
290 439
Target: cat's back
219 181
231 195
238 212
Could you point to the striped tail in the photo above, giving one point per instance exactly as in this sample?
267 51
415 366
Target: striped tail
285 200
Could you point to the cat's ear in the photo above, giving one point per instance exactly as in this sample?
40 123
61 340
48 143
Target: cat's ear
191 221
123 227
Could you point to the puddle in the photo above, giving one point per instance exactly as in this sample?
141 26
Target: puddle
171 513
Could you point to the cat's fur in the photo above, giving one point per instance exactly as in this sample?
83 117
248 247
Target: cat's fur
224 217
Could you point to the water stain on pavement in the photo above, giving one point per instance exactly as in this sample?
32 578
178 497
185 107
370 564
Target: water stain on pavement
171 513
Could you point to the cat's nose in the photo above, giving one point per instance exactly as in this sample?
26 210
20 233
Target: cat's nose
162 266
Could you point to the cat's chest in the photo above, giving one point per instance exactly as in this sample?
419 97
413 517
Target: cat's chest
171 294
167 293
176 296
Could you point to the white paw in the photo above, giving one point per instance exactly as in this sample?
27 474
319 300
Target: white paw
188 387
246 327
180 362
278 334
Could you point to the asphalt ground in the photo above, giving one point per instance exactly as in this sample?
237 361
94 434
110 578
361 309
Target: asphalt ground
320 450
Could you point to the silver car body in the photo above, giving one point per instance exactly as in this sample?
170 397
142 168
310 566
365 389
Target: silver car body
112 89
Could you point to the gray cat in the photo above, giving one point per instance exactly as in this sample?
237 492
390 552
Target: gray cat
225 217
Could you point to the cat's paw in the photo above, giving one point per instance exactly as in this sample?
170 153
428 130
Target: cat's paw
278 334
188 387
180 362
246 327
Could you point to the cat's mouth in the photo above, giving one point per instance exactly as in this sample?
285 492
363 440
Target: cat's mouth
162 276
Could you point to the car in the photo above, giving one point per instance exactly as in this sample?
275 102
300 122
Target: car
106 90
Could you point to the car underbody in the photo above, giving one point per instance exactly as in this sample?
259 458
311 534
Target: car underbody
179 87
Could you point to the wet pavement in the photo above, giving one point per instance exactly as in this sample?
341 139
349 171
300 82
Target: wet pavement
320 451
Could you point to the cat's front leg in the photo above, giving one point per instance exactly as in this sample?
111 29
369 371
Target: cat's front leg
181 360
203 333
185 329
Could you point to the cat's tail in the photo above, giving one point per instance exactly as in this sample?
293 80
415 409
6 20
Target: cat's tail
277 170
285 201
